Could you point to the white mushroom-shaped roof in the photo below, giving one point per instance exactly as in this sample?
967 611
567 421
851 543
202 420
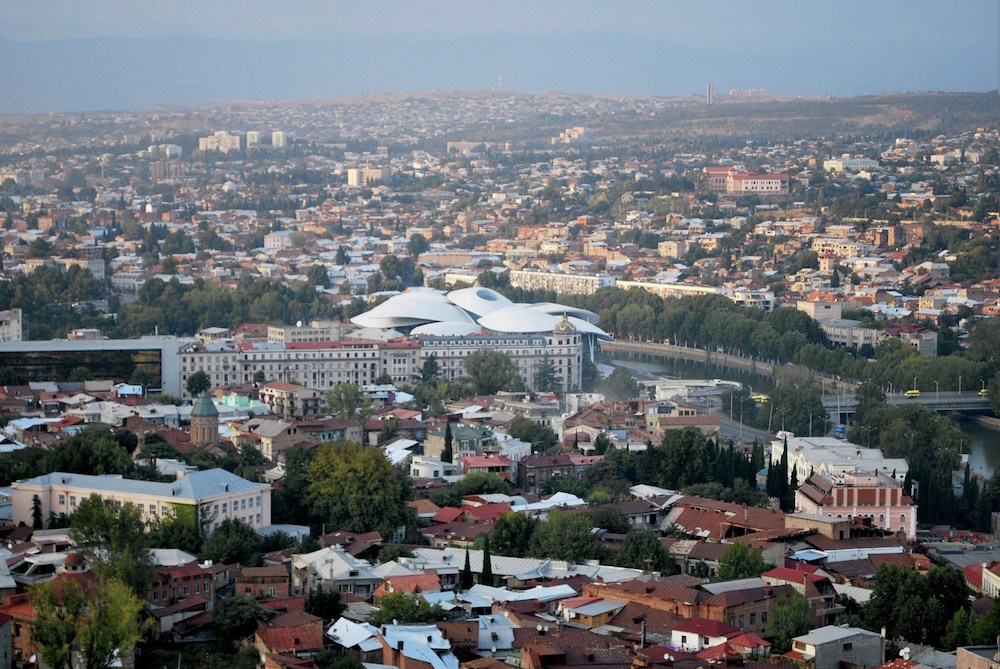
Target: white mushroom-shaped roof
479 301
447 329
518 318
560 309
411 309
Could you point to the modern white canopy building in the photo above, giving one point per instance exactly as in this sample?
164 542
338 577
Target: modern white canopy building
466 311
453 325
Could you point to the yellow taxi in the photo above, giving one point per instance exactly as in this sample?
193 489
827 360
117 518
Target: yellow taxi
912 393
760 399
984 392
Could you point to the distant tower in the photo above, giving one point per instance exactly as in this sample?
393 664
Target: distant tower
204 421
708 94
500 81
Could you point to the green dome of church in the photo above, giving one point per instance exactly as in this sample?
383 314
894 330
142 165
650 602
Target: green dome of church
204 406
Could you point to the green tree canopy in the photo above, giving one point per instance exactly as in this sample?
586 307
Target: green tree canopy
620 385
197 383
233 541
741 561
356 489
115 541
98 621
566 536
642 550
791 616
492 371
512 533
406 609
347 400
235 618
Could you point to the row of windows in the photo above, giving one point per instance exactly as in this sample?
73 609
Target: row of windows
162 594
248 519
237 505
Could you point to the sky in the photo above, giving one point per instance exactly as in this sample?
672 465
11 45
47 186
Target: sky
800 47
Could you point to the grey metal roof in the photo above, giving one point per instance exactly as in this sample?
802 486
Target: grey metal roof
195 486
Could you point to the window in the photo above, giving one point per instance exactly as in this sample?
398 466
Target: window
251 502
72 500
270 591
152 509
225 507
753 618
62 499
763 617
258 500
684 639
163 511
187 590
243 504
848 646
258 519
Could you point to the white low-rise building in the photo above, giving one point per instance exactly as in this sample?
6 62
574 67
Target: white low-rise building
834 458
213 495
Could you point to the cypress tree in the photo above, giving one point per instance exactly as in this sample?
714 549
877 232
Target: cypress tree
466 580
487 576
446 454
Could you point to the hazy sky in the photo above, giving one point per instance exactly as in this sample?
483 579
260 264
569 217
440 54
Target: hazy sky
852 23
797 47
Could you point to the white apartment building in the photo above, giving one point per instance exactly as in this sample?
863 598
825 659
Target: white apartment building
315 331
561 282
279 139
216 494
10 325
220 141
842 248
363 177
318 365
848 164
564 351
835 458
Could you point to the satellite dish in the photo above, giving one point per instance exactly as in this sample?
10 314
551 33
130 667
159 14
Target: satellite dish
538 627
298 324
493 649
395 622
905 653
668 657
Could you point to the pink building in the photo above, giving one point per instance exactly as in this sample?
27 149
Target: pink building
488 464
860 494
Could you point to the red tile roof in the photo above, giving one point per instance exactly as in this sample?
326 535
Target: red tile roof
290 639
408 584
705 627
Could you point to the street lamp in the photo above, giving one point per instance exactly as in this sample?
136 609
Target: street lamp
915 382
937 395
959 384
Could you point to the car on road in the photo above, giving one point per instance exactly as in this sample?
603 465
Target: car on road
760 399
984 392
912 393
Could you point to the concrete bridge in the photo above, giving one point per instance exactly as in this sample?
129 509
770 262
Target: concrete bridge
842 406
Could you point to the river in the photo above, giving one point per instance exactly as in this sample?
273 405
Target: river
983 443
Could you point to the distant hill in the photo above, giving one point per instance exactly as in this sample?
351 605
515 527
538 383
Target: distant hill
121 73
